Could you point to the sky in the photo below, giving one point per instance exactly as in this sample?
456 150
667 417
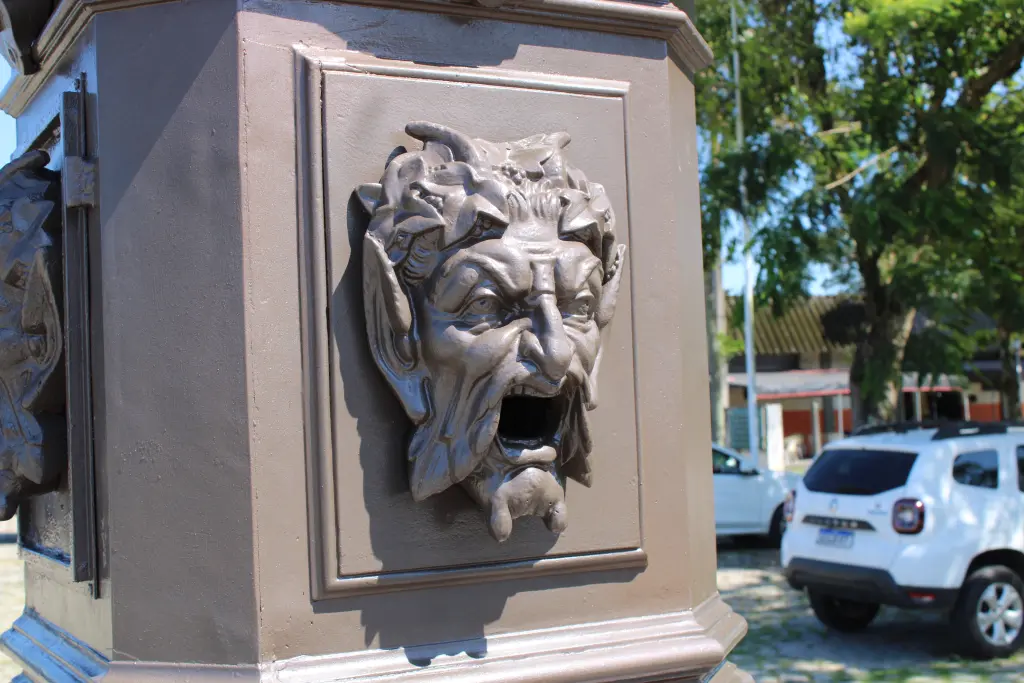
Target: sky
840 63
733 276
733 279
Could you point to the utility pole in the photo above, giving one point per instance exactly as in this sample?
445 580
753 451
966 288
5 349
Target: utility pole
717 363
748 256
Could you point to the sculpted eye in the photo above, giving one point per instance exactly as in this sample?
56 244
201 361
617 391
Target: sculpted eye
484 305
580 307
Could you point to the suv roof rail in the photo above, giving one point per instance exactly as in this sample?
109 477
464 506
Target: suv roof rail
898 427
945 429
952 430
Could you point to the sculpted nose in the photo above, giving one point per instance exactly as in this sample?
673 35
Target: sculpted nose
547 345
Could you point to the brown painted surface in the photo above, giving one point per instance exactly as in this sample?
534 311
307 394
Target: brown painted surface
174 427
665 267
693 412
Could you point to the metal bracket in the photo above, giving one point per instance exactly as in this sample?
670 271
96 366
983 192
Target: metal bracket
79 182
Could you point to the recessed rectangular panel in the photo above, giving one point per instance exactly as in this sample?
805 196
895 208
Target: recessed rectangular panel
370 523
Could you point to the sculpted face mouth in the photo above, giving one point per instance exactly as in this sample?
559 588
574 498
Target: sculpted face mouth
520 477
530 426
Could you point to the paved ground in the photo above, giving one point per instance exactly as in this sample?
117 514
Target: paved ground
787 644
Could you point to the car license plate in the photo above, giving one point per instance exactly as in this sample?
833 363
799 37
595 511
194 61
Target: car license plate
836 538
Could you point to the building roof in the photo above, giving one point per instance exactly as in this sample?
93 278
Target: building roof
799 330
827 325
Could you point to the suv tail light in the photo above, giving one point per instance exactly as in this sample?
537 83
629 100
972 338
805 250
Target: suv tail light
908 516
789 506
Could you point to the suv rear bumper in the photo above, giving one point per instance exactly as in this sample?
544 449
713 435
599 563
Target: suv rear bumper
864 584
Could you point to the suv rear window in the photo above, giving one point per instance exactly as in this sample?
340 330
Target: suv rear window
859 472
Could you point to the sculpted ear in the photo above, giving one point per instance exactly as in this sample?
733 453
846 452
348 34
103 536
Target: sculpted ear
389 324
610 292
369 196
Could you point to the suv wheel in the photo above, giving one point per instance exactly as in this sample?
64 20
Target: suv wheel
842 615
777 528
989 615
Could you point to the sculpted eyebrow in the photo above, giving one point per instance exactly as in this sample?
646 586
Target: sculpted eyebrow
585 272
450 291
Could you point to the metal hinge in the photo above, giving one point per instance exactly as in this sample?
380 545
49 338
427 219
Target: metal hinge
79 181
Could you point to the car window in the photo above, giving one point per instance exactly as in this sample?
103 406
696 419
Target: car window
856 472
980 469
723 463
1020 467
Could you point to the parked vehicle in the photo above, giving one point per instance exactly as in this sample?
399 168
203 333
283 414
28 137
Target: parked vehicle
748 502
917 517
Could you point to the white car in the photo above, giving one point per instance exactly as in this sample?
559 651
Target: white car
915 517
748 502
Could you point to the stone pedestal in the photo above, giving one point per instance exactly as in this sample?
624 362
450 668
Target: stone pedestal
242 497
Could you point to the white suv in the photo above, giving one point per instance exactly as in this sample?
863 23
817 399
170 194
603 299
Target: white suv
915 516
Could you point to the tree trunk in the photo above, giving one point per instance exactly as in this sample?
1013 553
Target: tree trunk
718 369
1009 382
876 372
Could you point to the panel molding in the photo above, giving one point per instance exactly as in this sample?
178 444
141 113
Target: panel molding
327 578
679 646
659 20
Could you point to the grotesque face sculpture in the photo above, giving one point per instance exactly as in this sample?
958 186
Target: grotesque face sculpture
489 272
31 343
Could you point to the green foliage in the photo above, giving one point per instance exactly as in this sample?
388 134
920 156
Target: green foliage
884 140
730 346
773 146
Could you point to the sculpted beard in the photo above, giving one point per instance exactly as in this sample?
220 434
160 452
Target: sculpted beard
509 440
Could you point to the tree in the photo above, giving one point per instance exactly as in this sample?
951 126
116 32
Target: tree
996 253
897 131
1001 293
765 87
